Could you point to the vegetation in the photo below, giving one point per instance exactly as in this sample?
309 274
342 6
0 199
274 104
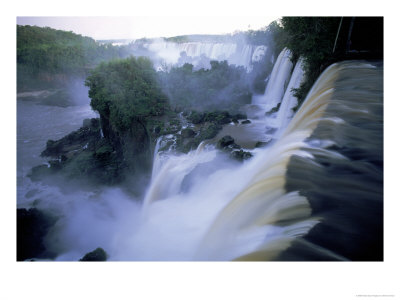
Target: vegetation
312 38
221 87
126 90
56 51
323 40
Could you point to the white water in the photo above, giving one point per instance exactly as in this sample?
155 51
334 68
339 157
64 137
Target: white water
229 211
289 101
201 206
237 54
277 82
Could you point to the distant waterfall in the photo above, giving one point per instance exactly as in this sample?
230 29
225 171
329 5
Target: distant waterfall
237 54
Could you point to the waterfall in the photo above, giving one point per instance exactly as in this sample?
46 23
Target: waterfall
258 53
234 53
200 206
156 158
277 83
245 228
289 101
167 176
318 186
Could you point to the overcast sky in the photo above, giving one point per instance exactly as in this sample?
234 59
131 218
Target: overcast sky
138 27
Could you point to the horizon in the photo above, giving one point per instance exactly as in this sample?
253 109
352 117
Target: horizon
113 28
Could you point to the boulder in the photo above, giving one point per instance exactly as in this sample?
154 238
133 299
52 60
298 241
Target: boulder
260 144
246 121
32 227
96 255
241 155
225 141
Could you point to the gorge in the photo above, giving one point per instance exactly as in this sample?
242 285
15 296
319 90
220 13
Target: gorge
262 176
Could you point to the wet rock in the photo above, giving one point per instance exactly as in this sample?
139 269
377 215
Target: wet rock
273 110
240 155
219 117
188 133
246 121
39 172
225 141
32 227
96 255
260 144
240 116
210 131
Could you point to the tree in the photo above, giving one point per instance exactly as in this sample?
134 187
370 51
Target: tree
126 90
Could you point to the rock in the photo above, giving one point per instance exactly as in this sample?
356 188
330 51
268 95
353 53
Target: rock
87 123
225 141
246 121
188 133
219 117
32 226
39 172
210 131
233 146
157 129
241 155
191 145
240 116
93 123
273 110
96 255
260 144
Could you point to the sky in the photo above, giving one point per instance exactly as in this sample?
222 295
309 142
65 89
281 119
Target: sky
124 27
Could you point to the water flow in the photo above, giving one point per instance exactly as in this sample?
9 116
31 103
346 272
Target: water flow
205 206
237 54
289 101
202 206
277 83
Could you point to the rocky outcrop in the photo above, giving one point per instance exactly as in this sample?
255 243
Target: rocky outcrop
227 144
82 156
96 255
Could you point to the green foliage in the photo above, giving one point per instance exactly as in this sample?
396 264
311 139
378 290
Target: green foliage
221 87
56 51
126 90
311 38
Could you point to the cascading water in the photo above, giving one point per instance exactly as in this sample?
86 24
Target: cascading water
237 54
277 82
289 101
278 92
229 211
204 206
